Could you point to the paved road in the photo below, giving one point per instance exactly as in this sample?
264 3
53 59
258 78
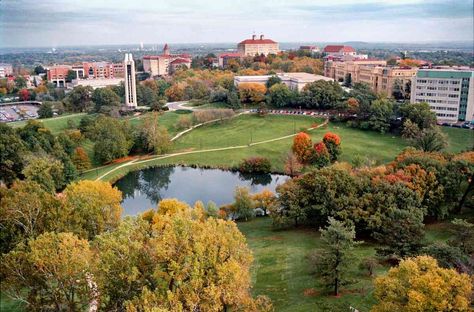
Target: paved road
173 106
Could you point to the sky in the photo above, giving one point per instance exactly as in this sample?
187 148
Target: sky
53 23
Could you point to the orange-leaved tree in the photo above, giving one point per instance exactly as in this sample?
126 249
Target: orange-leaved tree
333 144
302 147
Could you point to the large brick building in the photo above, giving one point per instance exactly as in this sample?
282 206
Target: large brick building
57 74
166 63
254 46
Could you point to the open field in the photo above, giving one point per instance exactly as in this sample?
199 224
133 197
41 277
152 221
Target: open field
55 124
281 269
366 146
459 139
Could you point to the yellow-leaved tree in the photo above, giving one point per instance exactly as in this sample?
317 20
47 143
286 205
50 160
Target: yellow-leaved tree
200 264
419 284
92 207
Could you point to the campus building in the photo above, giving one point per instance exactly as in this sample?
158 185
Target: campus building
294 81
254 46
57 74
448 91
130 81
166 63
225 58
380 77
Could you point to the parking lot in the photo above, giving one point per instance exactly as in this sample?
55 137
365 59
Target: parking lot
18 112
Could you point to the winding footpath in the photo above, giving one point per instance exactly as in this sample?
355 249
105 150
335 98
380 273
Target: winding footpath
158 157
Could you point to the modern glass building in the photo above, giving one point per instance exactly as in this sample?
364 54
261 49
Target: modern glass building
449 92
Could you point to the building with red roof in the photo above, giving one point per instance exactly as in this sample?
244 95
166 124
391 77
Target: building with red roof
166 63
339 50
254 46
224 58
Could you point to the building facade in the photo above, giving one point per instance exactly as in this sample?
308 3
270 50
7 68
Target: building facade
225 58
254 46
57 74
448 91
130 82
294 81
166 63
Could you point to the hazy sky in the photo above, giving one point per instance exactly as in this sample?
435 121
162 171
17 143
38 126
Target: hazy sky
76 22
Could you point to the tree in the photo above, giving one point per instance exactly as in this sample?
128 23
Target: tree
320 158
243 204
335 257
279 95
50 273
26 211
264 200
321 94
463 232
80 159
92 207
410 130
333 144
302 147
113 139
418 113
39 70
233 100
449 257
273 80
20 82
46 171
24 94
348 80
398 90
155 138
45 110
292 165
12 154
79 99
430 140
418 284
380 114
252 92
188 262
105 97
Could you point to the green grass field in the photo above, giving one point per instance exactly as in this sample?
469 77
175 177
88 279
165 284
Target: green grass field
368 146
459 139
282 271
55 124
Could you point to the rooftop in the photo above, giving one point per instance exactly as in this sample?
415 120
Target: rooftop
338 48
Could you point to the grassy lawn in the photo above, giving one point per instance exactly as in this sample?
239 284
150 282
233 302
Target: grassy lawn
55 124
243 130
281 269
365 145
459 139
167 120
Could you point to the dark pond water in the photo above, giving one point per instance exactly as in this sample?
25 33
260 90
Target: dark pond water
143 189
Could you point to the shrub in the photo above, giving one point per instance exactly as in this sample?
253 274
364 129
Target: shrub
184 122
211 114
255 164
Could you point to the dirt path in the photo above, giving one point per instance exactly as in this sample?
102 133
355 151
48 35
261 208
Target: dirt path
137 161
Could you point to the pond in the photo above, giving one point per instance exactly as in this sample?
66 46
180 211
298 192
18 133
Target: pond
143 189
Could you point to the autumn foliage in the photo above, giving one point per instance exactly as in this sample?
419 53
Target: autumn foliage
333 144
80 159
252 92
302 147
419 284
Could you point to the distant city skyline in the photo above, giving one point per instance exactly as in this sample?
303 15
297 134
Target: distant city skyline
54 23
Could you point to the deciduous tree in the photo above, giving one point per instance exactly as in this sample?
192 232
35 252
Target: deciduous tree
418 284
